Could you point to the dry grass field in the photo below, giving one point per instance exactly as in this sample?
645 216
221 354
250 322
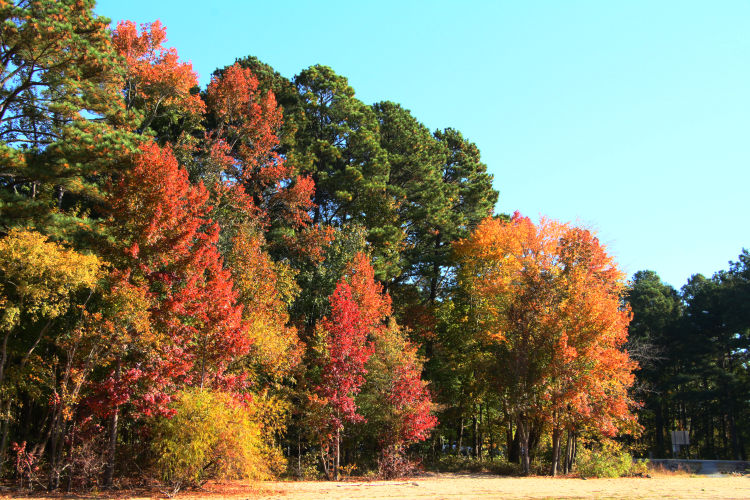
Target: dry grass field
480 486
464 486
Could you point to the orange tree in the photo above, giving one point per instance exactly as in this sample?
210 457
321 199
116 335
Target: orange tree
545 300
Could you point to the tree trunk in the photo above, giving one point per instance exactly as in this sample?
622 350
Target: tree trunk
514 449
460 435
60 194
54 456
480 442
338 450
568 451
524 431
735 440
556 436
435 278
324 455
573 450
659 431
109 470
535 435
475 432
5 431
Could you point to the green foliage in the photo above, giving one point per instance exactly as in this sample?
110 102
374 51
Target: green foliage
338 145
210 436
608 459
306 467
693 348
317 280
58 107
460 463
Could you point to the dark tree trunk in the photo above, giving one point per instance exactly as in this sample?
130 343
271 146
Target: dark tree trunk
568 449
338 455
514 445
659 430
475 432
556 436
460 435
109 470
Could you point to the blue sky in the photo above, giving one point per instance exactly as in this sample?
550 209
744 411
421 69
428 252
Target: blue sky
631 117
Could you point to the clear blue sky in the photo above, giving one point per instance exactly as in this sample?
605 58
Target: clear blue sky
631 117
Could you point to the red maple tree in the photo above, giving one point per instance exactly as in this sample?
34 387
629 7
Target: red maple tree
242 148
168 248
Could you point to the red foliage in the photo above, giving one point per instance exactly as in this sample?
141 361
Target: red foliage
243 146
412 403
347 350
309 244
368 293
170 247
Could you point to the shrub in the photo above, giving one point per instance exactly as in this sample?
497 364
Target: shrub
393 463
608 459
210 436
26 464
305 467
458 463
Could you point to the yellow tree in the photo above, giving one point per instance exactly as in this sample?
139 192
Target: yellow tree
39 281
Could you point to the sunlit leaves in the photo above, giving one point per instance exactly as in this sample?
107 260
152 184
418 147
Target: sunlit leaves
38 277
156 82
546 299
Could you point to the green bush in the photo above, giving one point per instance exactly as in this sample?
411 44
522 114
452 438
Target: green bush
608 459
457 463
209 437
306 467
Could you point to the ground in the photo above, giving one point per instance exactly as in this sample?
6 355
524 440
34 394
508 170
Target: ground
481 486
469 486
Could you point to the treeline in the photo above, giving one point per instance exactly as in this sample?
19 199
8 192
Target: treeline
694 347
262 276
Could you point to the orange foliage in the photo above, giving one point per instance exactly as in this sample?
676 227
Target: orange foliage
155 79
548 296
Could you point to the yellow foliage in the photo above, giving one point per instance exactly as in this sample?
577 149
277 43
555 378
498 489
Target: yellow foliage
266 289
38 277
211 436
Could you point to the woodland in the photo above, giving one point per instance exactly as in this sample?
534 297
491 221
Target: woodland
268 277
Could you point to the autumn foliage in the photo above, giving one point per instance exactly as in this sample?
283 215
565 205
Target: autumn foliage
547 297
268 276
156 81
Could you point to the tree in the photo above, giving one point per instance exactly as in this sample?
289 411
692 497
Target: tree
546 302
358 307
653 339
395 399
421 200
39 283
157 86
242 151
338 146
59 105
167 241
346 350
266 289
165 245
473 198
